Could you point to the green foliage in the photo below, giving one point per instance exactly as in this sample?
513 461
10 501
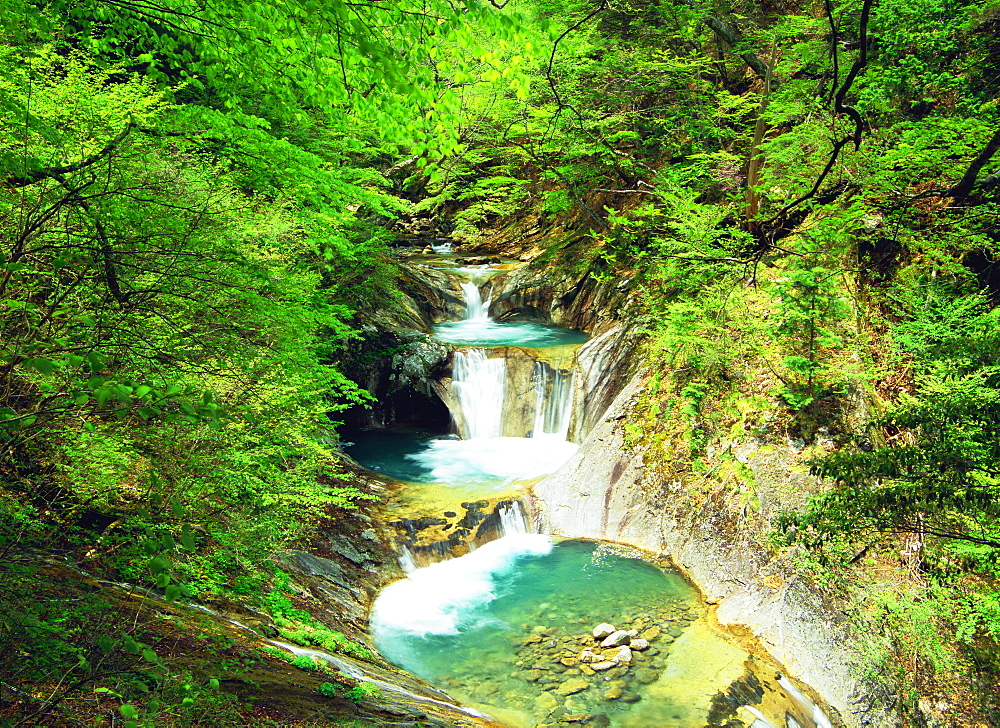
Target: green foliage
304 662
692 396
311 633
939 475
363 691
329 690
810 306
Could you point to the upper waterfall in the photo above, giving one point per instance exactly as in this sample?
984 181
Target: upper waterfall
475 308
478 329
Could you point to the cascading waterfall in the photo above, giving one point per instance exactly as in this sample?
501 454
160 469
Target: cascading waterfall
406 561
512 519
476 309
477 379
469 622
479 383
553 401
484 454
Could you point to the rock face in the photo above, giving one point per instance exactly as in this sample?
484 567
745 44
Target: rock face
403 381
606 492
604 365
431 296
429 539
401 364
582 300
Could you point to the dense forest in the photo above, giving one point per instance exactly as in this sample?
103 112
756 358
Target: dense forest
198 208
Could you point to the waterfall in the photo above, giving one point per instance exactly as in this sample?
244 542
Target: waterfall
553 401
478 380
407 562
512 519
475 308
479 383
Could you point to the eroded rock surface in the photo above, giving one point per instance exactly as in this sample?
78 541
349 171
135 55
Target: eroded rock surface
606 491
584 300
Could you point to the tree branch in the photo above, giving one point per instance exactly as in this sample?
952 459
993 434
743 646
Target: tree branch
54 172
968 182
732 36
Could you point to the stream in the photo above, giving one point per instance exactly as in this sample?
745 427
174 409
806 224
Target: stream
529 629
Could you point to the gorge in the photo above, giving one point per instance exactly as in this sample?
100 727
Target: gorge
484 608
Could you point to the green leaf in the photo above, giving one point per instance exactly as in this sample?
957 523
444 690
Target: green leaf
187 538
129 711
43 366
130 645
158 565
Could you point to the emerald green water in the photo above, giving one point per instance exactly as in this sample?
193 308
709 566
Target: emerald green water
390 452
503 628
490 333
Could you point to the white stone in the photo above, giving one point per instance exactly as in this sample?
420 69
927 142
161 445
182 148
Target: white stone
603 630
616 639
639 644
624 656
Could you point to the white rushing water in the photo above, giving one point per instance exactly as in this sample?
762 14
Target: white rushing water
553 401
495 459
475 308
512 519
479 383
442 598
406 561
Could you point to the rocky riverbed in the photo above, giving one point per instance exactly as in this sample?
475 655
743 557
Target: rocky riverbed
561 675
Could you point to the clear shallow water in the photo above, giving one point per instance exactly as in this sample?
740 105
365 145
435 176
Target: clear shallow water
498 625
487 332
414 456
